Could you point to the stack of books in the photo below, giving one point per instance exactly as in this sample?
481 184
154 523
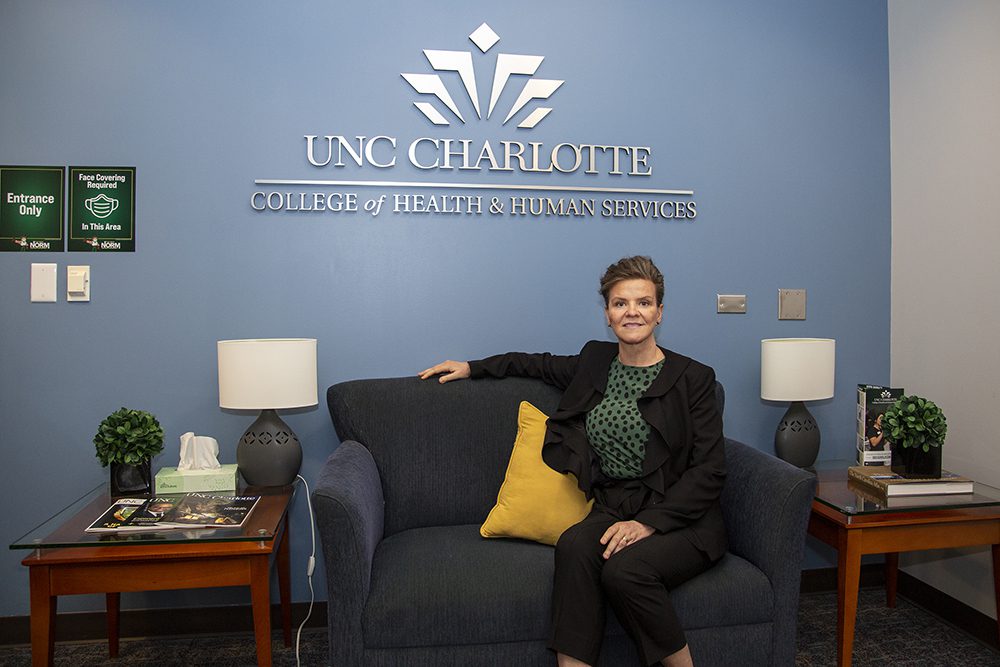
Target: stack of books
888 484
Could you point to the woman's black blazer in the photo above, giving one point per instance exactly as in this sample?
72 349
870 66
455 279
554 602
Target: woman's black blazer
685 461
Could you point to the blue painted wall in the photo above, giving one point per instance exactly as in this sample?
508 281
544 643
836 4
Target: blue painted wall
775 112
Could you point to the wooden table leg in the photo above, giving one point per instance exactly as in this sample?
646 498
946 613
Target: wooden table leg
113 604
891 577
848 580
43 617
285 584
260 596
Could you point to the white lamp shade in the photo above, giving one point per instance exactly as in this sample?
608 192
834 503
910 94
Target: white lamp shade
267 373
797 369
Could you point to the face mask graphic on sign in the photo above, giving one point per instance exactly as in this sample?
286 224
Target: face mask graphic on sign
101 206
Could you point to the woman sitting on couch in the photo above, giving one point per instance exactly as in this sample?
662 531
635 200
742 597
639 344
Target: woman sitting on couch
639 428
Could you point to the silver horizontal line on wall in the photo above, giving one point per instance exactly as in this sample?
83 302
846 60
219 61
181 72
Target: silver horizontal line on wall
469 186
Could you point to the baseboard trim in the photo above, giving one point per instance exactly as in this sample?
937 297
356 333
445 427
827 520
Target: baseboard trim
92 625
950 610
824 580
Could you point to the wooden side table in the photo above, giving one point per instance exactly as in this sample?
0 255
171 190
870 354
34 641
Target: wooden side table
854 525
68 561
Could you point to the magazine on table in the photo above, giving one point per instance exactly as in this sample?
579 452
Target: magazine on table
191 510
133 514
210 511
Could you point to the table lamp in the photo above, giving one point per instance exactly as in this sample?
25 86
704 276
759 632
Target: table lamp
268 374
797 370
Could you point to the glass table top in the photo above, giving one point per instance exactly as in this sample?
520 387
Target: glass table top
850 497
67 528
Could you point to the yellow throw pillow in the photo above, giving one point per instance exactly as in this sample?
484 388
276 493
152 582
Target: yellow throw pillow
535 502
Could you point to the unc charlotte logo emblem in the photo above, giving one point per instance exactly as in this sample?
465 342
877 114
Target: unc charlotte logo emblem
506 66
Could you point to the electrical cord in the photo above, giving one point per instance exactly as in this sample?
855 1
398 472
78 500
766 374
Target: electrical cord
311 565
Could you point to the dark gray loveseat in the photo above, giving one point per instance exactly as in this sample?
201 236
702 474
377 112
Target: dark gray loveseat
410 581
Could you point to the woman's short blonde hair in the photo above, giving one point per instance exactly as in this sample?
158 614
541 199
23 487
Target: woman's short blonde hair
639 267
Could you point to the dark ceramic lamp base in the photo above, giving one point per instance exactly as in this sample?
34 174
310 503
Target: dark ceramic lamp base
797 437
269 453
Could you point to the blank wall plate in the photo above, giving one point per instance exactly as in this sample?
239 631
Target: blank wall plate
730 303
791 304
43 283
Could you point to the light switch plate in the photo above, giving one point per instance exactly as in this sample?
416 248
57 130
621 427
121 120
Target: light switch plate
78 283
791 304
730 303
43 283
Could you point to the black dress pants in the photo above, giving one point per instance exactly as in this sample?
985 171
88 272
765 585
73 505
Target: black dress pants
635 581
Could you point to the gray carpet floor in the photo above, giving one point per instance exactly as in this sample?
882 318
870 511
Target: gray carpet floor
905 636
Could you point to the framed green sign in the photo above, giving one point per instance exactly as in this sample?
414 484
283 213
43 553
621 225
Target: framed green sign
31 208
102 209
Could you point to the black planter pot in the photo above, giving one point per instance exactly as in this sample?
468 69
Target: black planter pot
914 462
131 480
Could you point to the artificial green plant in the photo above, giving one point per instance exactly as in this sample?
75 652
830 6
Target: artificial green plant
128 436
915 422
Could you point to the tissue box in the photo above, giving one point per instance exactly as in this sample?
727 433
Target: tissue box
172 480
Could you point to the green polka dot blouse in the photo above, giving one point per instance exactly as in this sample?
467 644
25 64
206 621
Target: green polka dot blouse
616 430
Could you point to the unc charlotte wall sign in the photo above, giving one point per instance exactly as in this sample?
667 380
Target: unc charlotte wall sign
531 158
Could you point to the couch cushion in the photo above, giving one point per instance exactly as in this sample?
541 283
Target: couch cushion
448 586
441 449
535 502
732 592
422 434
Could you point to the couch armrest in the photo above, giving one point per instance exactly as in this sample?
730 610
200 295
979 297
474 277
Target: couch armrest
766 504
349 515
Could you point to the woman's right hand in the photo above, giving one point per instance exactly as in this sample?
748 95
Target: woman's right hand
448 370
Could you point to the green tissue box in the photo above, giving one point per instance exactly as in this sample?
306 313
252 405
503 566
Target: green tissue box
172 480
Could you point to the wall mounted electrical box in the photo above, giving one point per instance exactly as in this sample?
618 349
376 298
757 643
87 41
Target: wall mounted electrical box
78 283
